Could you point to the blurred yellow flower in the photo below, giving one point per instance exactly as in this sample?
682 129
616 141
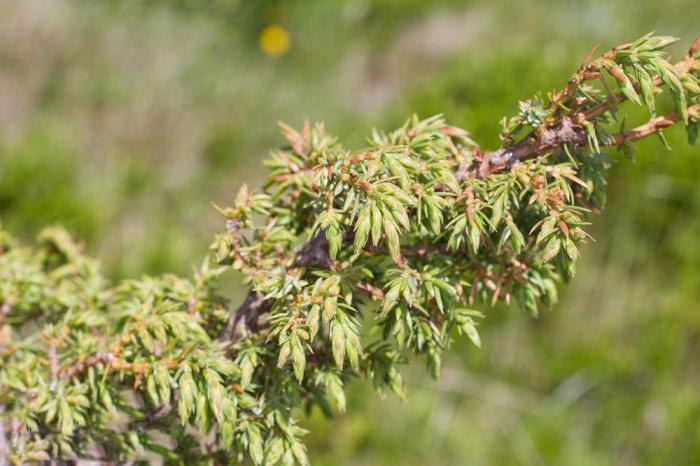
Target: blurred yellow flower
274 40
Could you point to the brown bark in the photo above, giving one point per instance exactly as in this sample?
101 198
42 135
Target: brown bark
567 133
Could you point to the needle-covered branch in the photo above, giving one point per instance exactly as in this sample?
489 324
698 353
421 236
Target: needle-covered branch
572 114
356 262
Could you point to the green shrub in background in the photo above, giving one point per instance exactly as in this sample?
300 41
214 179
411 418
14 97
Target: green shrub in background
360 260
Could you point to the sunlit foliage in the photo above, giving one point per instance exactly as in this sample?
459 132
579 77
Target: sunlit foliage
357 262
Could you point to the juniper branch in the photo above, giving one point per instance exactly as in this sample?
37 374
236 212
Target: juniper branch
570 134
568 129
411 237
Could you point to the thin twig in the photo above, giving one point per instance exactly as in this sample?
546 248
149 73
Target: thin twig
561 132
574 135
653 126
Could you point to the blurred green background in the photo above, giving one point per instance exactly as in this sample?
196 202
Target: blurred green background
123 120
